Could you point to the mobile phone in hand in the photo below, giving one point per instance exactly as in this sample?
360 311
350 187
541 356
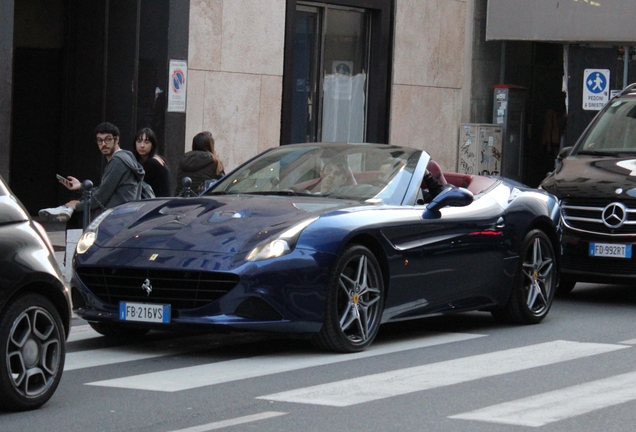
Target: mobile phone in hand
66 181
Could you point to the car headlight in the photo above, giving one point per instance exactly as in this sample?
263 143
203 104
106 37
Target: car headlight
90 234
281 244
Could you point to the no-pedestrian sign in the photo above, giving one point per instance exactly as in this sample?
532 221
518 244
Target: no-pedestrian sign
595 89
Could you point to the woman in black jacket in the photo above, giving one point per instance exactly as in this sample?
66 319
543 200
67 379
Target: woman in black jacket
157 172
201 164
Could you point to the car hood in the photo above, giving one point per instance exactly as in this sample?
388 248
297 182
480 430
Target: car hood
227 224
593 177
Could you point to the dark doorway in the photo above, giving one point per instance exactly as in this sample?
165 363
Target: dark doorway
35 126
547 114
78 63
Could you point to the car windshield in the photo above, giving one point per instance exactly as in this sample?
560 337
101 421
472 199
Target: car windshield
352 171
614 131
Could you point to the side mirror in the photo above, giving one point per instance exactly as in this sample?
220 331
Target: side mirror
565 152
452 196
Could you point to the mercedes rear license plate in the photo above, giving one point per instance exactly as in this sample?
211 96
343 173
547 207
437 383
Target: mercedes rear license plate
144 312
611 250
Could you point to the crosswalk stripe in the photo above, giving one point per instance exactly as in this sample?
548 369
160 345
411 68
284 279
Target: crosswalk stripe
233 370
232 422
107 356
542 409
82 332
399 382
138 351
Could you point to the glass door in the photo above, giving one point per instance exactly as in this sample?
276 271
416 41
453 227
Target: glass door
330 68
344 76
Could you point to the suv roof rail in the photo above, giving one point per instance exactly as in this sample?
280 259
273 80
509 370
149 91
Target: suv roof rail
630 88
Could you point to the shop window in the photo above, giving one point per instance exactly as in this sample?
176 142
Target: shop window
330 74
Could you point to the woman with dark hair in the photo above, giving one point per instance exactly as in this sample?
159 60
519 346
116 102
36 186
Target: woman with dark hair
157 172
201 164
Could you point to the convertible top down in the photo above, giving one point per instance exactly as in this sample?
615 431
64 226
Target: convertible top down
328 240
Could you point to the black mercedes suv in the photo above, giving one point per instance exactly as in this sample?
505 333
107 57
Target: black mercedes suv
595 180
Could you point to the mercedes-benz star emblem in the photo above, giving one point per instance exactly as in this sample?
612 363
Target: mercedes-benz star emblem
147 287
614 215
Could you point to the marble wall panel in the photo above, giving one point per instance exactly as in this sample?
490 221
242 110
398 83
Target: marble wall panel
232 114
429 42
205 40
194 105
253 36
270 112
427 118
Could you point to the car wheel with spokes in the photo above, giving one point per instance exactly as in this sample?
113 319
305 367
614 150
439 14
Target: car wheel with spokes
32 347
354 304
535 282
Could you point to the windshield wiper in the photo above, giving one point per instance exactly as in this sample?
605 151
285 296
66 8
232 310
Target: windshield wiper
215 193
604 153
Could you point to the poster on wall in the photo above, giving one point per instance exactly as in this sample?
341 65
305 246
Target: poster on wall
178 76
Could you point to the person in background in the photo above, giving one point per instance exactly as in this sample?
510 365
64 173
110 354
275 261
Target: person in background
201 164
156 168
121 181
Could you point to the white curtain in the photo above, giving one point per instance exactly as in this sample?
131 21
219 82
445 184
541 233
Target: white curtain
343 108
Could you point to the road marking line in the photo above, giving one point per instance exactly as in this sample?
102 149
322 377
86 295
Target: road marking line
108 356
222 372
539 410
399 382
232 422
628 342
82 332
132 352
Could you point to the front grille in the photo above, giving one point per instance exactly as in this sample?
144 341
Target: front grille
599 266
586 215
180 289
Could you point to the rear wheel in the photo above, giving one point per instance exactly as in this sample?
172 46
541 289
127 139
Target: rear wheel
354 303
32 352
535 282
119 331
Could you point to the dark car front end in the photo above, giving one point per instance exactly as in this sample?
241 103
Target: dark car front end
596 185
35 310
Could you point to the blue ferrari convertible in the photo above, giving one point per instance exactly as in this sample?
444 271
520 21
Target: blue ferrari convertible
326 240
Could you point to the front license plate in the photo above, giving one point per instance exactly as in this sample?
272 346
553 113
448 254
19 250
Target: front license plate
144 312
611 250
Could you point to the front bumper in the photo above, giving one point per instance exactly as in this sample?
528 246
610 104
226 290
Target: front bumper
285 294
578 265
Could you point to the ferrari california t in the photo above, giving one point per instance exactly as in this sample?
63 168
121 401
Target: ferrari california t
326 240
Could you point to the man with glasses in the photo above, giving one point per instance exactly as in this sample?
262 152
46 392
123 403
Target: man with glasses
121 181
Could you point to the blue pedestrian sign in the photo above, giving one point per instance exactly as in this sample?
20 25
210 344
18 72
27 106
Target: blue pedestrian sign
595 88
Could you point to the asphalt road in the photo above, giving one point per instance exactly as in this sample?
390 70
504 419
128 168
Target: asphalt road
574 372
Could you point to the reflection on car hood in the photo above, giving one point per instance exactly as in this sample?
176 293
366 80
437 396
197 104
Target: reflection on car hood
593 177
228 223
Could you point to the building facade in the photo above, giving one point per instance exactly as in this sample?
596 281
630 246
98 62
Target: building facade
259 73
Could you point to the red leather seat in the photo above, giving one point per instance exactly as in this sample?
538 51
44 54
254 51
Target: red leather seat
436 172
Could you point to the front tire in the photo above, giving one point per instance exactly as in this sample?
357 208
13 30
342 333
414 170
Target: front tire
32 352
354 304
535 283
